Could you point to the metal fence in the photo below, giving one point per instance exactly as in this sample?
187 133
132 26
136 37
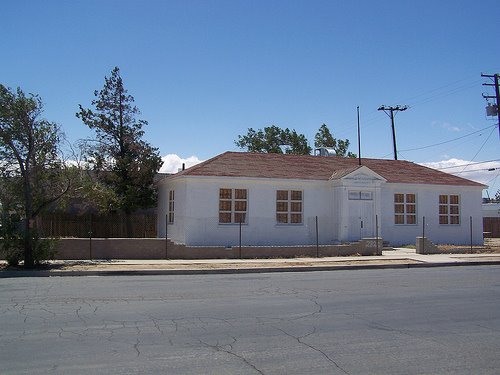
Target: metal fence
97 226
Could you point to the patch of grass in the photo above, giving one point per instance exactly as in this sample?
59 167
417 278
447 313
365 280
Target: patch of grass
409 246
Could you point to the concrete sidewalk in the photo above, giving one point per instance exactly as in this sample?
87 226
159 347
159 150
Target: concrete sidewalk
397 258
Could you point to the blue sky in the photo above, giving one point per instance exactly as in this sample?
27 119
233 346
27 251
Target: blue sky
203 72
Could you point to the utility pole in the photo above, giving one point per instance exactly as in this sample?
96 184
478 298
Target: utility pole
389 111
359 140
497 96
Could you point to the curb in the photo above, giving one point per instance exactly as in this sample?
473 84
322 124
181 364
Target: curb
44 273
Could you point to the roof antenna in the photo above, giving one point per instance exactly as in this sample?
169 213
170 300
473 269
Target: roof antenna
359 140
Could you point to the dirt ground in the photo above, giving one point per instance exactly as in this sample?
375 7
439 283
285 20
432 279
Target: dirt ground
225 265
491 245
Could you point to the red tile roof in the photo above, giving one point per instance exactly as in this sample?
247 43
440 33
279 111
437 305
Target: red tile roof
306 167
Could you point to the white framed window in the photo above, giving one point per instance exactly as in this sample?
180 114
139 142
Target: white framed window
171 206
449 209
405 208
289 206
233 204
357 195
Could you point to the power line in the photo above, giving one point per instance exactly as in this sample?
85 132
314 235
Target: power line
461 165
371 117
477 170
448 141
480 148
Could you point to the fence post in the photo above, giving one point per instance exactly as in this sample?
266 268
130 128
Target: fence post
240 239
317 239
471 234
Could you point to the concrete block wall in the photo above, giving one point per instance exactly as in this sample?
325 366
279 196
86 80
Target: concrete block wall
424 246
157 248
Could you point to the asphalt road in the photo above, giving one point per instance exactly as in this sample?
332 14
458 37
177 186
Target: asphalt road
409 321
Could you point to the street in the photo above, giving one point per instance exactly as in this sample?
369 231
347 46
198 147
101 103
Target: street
411 321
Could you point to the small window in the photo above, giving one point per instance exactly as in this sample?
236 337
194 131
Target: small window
171 206
289 206
233 205
405 208
354 195
449 209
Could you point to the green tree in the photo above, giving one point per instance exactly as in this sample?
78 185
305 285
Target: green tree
297 142
123 164
273 139
324 138
32 171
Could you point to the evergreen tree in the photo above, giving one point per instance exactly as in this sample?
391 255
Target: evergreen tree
324 138
122 162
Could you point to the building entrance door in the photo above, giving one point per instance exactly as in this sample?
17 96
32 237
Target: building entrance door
361 219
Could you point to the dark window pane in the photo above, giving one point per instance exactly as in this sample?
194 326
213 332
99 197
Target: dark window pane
411 219
282 218
224 205
281 206
410 198
224 217
225 194
282 195
240 206
443 210
240 217
240 193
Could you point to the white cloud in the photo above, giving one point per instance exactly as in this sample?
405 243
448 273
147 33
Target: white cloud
474 172
172 163
446 125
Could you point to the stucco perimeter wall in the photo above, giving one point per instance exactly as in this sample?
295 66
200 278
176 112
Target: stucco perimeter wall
152 248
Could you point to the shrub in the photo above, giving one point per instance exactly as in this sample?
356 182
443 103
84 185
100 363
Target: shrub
13 240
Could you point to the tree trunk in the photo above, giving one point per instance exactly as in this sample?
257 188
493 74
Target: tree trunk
29 262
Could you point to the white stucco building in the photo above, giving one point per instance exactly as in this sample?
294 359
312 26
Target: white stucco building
277 198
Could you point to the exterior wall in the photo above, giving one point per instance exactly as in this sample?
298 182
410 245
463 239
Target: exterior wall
197 213
428 206
177 229
197 208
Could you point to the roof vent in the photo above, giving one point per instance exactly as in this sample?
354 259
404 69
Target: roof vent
325 151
